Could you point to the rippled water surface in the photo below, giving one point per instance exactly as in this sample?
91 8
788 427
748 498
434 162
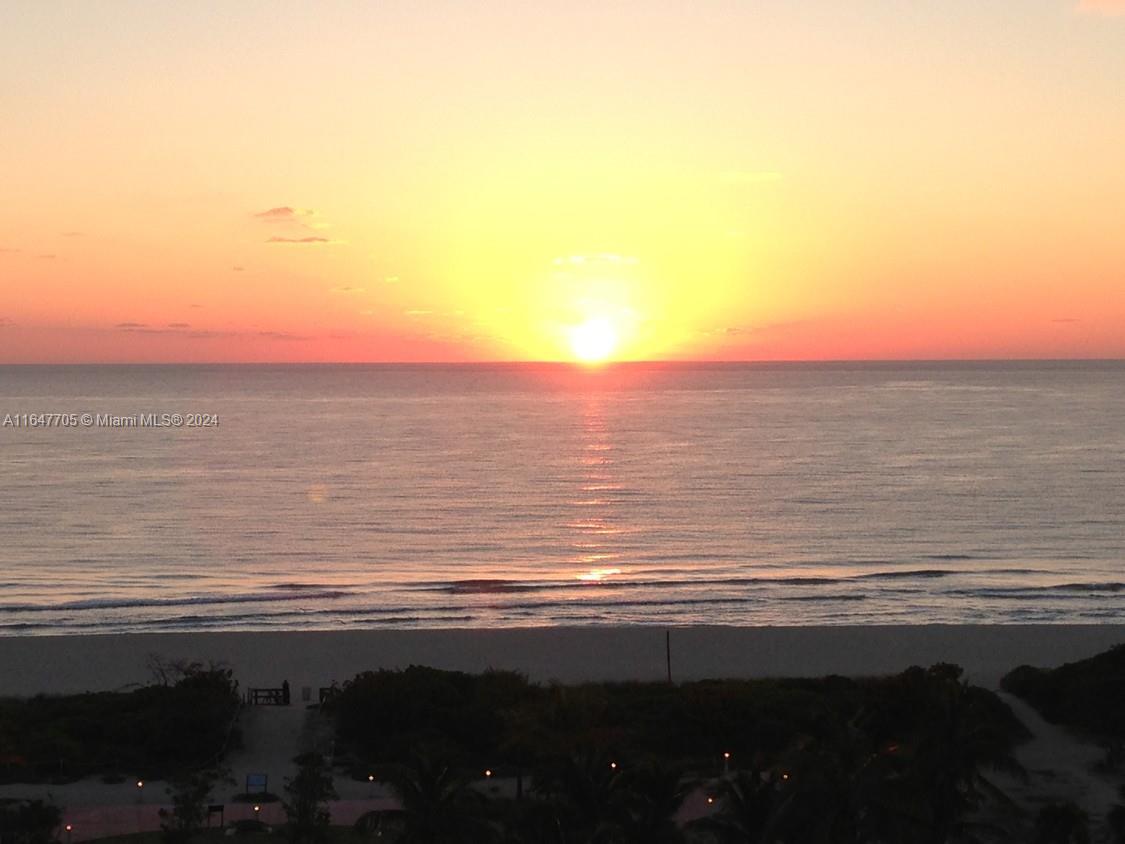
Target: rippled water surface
367 496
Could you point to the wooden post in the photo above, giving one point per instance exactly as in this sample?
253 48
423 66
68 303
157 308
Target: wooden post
668 653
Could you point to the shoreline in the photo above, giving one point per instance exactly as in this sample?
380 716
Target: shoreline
31 665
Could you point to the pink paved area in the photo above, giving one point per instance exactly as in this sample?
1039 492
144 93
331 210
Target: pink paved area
91 822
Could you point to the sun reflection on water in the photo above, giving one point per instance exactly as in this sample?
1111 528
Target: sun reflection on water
596 483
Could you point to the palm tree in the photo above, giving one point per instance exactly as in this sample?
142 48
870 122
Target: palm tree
438 807
823 793
586 791
961 735
307 797
653 795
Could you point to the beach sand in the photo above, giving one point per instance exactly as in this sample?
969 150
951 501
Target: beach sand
53 664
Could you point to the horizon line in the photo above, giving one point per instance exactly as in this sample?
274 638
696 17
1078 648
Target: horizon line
579 365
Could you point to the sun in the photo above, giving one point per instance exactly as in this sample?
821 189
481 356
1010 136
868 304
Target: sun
594 340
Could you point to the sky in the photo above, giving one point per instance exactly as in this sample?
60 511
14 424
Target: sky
479 180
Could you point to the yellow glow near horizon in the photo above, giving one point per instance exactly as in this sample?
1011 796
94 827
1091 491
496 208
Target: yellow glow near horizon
594 341
834 181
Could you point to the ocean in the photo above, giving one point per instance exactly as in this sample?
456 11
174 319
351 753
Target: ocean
421 496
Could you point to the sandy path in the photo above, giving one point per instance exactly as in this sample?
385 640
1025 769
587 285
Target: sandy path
1061 767
271 737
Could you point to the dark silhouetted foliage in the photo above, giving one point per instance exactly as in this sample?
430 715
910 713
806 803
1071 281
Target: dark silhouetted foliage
437 806
830 761
155 732
307 795
1061 823
385 715
28 821
1084 694
190 793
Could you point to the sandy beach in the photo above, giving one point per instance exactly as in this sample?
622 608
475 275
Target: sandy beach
48 664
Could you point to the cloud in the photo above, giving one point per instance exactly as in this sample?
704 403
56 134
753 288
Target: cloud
1066 319
183 329
145 328
347 289
754 332
285 214
48 256
312 239
72 234
1106 8
417 313
729 331
10 251
237 268
295 222
391 279
5 322
281 335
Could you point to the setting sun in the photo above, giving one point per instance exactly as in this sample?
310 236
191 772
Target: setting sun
594 340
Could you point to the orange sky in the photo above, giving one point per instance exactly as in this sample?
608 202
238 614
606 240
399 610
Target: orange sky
276 181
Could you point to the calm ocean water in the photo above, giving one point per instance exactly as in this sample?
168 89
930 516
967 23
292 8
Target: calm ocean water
425 496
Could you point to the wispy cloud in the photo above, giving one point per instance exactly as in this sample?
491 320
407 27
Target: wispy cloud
1107 8
184 329
72 234
145 328
9 251
281 335
285 214
5 322
301 241
294 220
752 331
348 289
1066 319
